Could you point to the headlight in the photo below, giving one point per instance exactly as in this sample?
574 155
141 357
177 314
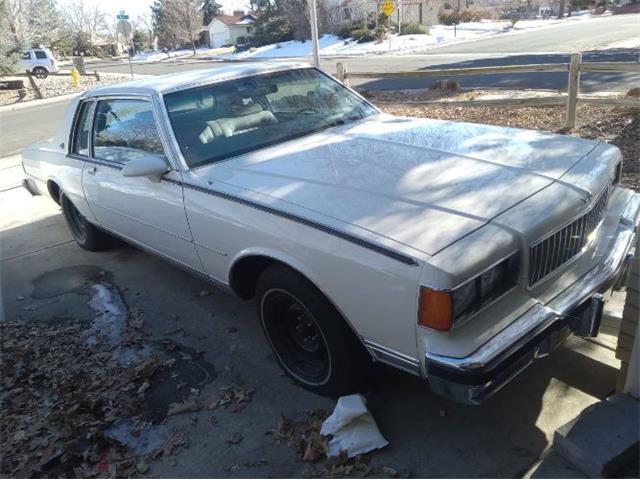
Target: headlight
443 309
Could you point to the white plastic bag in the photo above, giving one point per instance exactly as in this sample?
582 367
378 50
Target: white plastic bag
353 428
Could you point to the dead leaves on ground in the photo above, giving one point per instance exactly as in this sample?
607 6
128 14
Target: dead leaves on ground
233 399
311 448
59 397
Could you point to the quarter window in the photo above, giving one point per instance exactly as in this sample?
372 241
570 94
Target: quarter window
40 54
124 130
82 128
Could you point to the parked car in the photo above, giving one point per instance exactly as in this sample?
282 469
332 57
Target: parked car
39 61
457 252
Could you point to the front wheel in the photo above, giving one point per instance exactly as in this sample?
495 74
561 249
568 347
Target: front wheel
310 339
84 233
40 72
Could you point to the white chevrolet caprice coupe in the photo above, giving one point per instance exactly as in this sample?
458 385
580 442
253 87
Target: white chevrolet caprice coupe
454 251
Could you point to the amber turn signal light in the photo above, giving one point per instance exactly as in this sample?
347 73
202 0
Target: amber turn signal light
436 309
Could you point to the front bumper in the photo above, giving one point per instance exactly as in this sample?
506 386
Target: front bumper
542 328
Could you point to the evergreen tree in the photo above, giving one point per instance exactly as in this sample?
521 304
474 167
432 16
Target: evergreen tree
210 9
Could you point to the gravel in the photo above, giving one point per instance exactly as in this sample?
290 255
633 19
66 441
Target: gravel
56 86
619 126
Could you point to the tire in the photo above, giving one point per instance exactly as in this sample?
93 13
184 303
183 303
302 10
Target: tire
40 72
312 342
84 233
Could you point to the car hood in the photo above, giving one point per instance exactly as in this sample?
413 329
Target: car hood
420 183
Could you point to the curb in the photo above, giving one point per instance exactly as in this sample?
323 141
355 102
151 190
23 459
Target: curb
37 103
58 98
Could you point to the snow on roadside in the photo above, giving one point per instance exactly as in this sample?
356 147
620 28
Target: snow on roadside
627 43
439 35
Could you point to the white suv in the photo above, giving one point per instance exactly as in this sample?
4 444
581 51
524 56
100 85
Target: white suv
39 61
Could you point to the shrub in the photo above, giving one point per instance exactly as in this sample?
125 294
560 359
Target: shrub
241 40
413 29
380 33
347 31
453 17
363 35
469 15
448 17
514 20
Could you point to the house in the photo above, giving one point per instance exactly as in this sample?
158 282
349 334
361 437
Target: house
226 29
424 12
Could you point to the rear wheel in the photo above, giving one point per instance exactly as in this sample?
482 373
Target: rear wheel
40 72
312 342
84 233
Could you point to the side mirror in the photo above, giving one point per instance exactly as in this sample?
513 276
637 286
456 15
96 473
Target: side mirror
148 166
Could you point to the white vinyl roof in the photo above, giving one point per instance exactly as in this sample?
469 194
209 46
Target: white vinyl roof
193 78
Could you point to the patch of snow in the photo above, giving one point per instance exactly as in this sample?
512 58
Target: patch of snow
158 55
140 441
627 43
439 35
110 324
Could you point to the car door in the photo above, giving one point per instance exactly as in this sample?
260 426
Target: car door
25 62
41 59
147 212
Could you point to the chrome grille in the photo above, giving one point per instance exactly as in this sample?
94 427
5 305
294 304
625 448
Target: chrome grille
555 250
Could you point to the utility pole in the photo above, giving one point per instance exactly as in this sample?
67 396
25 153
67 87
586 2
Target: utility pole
314 32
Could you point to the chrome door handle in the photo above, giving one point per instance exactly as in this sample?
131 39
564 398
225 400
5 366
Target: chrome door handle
92 170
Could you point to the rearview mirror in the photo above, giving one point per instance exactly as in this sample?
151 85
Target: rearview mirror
150 166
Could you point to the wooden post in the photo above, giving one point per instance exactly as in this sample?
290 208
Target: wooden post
340 71
345 74
96 74
35 87
573 90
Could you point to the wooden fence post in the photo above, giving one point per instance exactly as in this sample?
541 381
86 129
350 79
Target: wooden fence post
34 86
573 90
96 74
340 71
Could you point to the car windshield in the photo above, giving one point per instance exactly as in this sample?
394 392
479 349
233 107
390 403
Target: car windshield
223 120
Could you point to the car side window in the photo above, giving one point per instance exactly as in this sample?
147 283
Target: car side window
26 56
125 129
80 139
40 54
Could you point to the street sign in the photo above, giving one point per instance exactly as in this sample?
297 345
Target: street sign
122 16
124 29
387 8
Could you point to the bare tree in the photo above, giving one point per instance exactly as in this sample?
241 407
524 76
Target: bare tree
88 20
33 22
184 19
145 22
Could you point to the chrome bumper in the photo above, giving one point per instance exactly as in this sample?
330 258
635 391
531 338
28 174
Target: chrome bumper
542 328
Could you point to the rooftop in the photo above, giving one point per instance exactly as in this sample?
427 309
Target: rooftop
181 80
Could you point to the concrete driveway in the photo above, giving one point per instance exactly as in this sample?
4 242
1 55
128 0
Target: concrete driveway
45 277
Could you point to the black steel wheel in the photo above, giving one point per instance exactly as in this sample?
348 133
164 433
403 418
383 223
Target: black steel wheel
77 223
84 233
40 72
311 340
296 337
